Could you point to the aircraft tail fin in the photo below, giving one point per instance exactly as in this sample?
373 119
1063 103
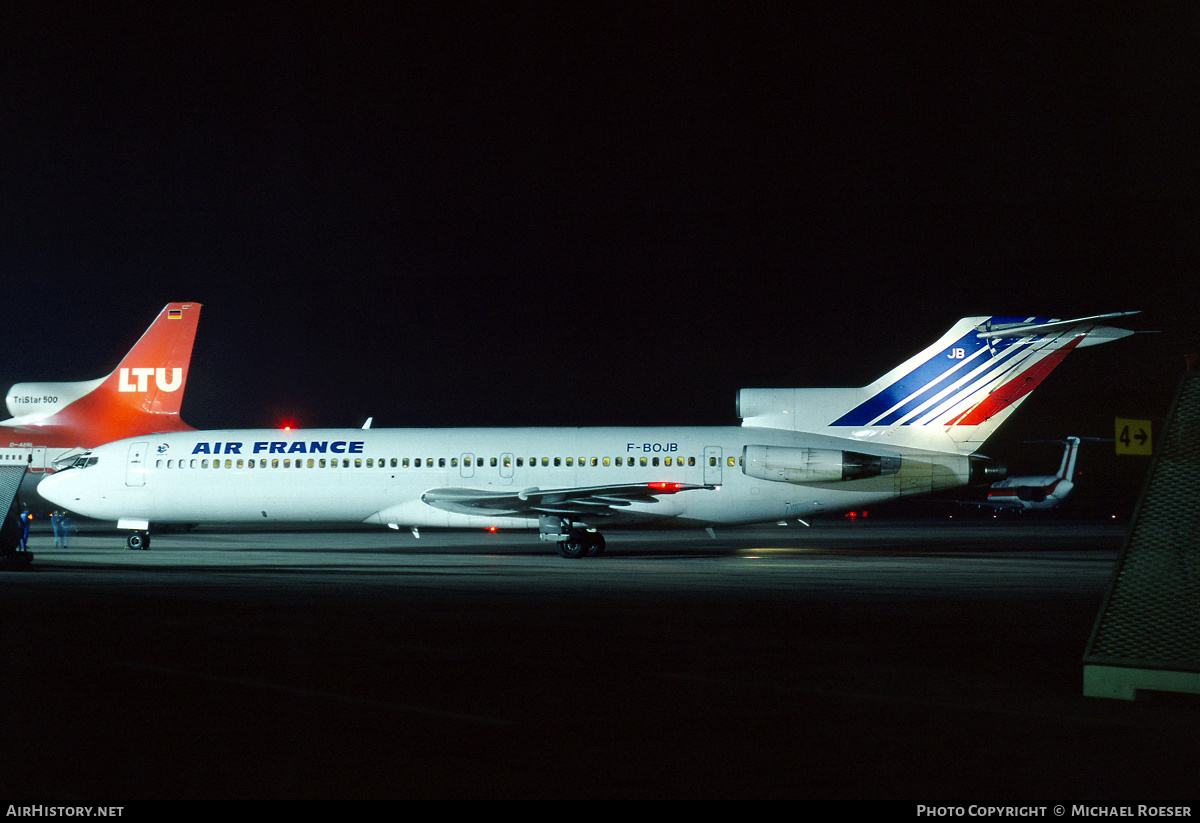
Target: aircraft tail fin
949 397
143 394
1066 469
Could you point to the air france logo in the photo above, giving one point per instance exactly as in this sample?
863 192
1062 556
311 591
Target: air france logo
142 377
282 447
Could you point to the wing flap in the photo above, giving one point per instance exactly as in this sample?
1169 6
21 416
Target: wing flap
567 502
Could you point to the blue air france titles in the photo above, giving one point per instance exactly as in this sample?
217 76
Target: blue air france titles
281 447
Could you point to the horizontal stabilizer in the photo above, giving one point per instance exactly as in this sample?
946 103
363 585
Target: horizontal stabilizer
1096 334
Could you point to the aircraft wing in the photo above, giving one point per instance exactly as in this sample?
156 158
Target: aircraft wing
579 501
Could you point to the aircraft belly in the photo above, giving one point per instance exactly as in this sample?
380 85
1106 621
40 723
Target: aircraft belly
242 496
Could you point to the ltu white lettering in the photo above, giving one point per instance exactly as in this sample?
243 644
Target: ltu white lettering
161 379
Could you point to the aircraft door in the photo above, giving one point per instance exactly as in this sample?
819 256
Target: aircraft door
466 465
39 460
506 469
135 468
712 465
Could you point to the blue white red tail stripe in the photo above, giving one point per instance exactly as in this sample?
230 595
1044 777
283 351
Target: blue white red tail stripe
950 397
951 374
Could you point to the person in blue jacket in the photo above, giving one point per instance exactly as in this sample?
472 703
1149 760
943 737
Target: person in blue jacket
26 517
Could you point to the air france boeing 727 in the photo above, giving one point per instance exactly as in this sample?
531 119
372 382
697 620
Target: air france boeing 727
797 452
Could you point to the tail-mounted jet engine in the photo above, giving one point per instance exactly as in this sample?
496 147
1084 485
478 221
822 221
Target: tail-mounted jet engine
30 402
792 465
984 471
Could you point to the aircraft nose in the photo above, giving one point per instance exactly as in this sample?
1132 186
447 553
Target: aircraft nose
57 488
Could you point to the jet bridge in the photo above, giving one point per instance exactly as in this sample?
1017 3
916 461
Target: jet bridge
14 463
1147 635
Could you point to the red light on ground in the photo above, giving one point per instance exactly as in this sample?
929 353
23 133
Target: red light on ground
660 486
491 529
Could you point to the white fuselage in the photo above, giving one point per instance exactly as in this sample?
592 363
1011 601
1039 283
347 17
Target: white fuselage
380 475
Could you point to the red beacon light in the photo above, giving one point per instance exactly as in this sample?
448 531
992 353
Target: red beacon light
668 488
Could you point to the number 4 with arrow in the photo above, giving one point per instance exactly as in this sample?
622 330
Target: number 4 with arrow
1133 436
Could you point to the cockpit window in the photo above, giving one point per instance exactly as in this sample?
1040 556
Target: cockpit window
84 461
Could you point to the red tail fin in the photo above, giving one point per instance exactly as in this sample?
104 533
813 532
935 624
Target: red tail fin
144 393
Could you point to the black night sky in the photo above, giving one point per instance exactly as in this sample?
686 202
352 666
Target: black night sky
449 214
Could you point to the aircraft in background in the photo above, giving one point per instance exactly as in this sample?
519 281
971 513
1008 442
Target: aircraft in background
1038 492
53 422
797 452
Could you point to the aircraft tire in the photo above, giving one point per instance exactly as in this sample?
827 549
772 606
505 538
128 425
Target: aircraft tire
595 544
573 548
138 541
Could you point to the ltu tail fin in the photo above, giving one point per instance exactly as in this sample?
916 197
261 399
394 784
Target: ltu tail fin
144 393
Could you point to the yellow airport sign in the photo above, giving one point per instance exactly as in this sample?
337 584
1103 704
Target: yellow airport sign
1133 436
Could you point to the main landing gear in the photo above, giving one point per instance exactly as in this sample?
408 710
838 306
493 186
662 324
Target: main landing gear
581 544
572 542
